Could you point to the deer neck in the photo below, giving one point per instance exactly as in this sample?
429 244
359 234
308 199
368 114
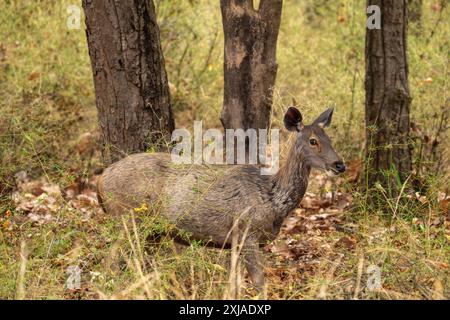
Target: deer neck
290 183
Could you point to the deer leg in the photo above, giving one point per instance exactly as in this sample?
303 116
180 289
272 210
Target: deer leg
254 263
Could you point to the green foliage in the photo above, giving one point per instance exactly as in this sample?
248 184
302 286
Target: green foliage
47 101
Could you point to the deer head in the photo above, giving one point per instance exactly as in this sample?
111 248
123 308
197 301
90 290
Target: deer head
312 143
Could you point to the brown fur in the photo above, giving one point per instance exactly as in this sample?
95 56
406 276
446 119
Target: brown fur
206 200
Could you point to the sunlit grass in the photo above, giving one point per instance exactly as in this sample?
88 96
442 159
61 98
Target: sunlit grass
47 101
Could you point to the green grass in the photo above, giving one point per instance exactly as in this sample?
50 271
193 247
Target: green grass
47 102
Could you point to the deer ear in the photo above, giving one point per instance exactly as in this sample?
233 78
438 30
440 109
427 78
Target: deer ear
324 119
293 119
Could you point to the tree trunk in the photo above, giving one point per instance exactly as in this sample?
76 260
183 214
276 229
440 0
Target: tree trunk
388 99
130 80
250 65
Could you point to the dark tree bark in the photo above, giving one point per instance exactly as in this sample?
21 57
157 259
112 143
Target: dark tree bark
387 97
250 66
130 80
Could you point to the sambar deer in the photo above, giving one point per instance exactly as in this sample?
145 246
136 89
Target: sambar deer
206 200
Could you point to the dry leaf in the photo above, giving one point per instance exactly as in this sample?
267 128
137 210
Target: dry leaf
34 75
436 6
353 171
438 290
348 242
85 143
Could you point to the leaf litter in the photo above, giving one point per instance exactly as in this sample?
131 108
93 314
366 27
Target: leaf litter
304 240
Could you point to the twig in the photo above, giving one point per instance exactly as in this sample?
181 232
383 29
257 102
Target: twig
399 196
350 118
443 5
358 276
324 287
20 294
236 248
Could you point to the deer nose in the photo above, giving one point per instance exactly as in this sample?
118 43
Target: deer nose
340 166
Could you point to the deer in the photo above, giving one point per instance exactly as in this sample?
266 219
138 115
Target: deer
205 201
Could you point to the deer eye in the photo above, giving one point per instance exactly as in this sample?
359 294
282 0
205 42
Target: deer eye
313 142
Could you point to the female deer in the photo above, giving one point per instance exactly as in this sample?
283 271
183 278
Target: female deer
206 201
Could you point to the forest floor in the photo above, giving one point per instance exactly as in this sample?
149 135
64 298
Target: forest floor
334 246
327 249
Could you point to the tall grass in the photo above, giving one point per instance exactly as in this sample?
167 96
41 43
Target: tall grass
47 102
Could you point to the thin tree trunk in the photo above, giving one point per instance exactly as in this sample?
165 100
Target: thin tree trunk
250 65
130 80
388 98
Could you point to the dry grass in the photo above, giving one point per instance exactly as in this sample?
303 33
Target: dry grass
47 104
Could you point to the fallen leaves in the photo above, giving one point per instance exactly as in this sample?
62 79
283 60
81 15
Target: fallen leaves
347 242
311 202
353 171
87 144
6 224
444 204
303 243
312 237
437 7
428 80
438 290
39 201
34 75
332 201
